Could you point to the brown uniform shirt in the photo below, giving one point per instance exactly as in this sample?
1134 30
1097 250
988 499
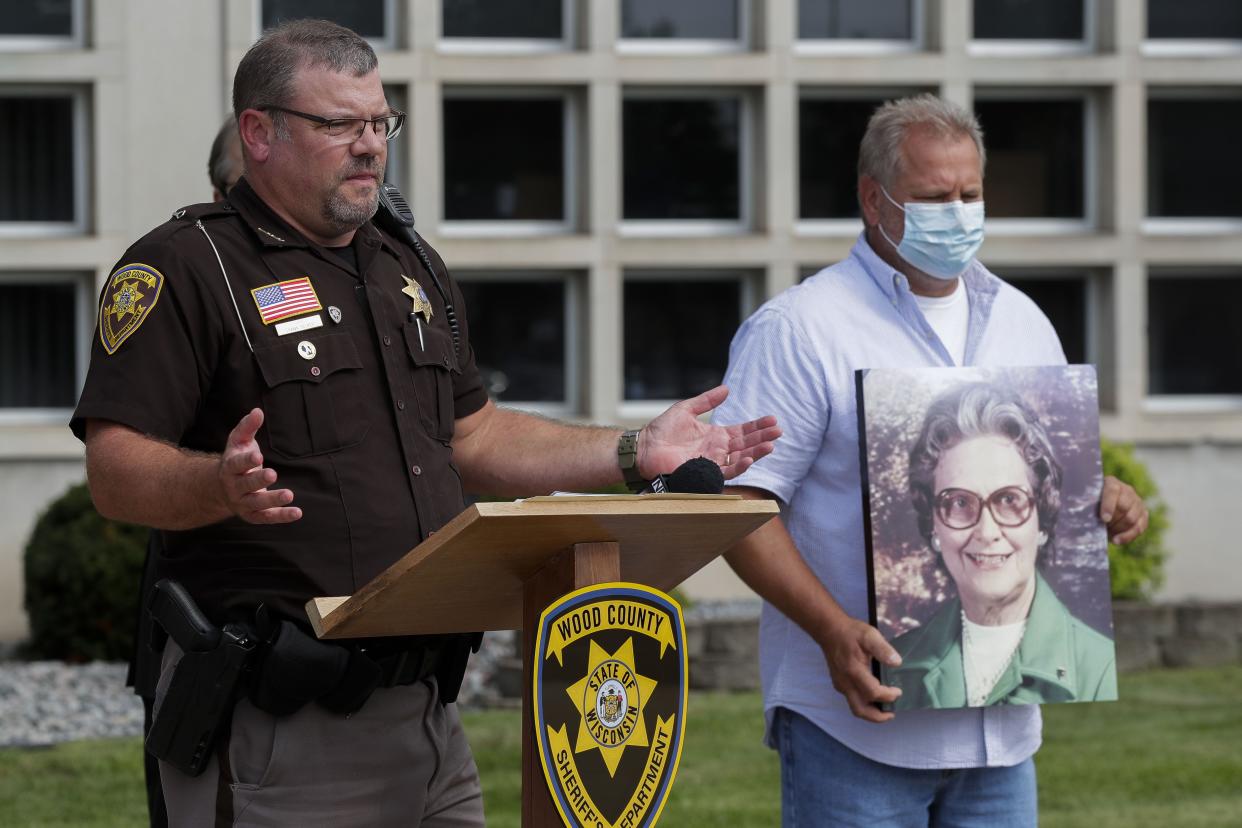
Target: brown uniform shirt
359 410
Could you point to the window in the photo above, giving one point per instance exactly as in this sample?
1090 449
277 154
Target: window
1066 299
502 25
373 19
869 25
43 164
1031 25
1194 328
48 24
1177 26
684 163
1183 128
677 330
43 344
830 128
655 25
523 327
507 160
1037 165
397 169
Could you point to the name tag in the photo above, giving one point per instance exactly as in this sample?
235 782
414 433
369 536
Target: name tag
295 325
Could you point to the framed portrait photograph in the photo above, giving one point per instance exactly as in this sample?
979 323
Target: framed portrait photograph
987 560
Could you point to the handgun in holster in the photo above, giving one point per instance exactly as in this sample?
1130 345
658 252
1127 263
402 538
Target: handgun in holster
206 681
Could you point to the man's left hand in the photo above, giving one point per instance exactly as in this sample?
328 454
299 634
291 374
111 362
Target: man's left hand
1122 510
679 435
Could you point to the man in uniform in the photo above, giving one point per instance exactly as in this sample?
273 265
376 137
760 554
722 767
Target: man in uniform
911 294
279 386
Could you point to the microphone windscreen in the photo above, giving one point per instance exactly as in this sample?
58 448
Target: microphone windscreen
697 476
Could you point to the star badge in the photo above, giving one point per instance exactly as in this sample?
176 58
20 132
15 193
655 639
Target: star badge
611 698
415 291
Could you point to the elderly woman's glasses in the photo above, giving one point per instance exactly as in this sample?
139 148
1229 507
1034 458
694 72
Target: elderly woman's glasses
385 126
962 509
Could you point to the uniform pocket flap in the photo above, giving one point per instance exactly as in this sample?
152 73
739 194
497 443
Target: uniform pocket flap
430 347
308 360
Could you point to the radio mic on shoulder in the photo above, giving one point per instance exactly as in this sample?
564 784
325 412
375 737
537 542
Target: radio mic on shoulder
697 476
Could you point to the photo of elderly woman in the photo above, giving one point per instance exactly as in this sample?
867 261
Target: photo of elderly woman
993 584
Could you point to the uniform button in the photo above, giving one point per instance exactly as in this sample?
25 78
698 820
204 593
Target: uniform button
445 361
388 340
315 371
401 405
417 470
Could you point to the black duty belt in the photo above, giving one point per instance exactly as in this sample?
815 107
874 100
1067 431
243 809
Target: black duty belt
296 668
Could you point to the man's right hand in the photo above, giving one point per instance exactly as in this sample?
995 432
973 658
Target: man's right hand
849 648
244 480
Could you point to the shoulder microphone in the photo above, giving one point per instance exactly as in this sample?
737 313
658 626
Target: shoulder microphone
697 476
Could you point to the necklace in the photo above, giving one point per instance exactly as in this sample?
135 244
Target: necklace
984 662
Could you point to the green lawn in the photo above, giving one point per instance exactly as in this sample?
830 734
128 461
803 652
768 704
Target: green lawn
1169 755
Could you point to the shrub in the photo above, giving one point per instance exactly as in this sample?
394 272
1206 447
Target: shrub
83 576
1137 569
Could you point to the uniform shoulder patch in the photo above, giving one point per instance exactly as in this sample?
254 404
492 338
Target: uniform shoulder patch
128 300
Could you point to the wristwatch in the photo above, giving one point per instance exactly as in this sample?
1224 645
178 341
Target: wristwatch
627 459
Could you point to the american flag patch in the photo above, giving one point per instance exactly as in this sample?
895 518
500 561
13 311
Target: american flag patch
285 299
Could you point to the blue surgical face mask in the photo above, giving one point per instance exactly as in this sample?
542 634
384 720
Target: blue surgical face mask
940 238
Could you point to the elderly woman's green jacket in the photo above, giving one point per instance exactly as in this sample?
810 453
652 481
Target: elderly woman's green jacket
1060 659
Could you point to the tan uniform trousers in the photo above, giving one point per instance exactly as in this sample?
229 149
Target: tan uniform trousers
402 760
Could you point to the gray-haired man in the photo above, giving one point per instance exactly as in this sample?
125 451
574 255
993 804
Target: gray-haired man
910 294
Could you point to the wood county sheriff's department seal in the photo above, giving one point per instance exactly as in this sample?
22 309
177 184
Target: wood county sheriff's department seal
610 698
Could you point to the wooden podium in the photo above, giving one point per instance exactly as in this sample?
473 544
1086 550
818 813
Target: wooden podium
496 566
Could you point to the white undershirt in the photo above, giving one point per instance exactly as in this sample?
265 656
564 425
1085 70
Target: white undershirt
986 652
949 317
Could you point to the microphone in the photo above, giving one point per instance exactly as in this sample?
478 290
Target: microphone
697 476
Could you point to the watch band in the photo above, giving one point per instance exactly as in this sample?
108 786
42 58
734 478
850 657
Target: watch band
627 459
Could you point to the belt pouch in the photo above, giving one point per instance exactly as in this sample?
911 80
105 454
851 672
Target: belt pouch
296 669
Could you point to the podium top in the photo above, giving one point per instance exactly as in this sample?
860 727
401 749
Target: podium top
469 575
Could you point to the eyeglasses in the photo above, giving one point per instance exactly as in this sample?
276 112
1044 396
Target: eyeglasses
387 126
961 509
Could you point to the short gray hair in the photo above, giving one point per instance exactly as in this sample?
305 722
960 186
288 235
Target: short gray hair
975 410
266 74
880 155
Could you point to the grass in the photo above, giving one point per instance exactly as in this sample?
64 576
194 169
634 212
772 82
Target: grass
1170 754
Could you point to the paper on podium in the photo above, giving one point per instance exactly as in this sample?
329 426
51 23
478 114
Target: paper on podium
469 575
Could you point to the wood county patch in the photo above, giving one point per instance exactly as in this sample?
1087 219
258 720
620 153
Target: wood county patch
128 300
610 680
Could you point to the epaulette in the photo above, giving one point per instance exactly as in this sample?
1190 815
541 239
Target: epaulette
210 209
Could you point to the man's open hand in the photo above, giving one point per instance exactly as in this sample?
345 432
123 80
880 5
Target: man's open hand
244 481
679 435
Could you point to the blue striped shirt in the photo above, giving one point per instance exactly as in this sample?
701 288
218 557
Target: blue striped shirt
796 357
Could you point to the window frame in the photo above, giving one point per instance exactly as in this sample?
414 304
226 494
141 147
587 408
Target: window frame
571 115
1181 404
575 348
1187 47
1187 225
512 45
849 47
79 225
389 42
1091 135
76 39
750 295
689 45
747 164
85 318
836 227
1018 47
